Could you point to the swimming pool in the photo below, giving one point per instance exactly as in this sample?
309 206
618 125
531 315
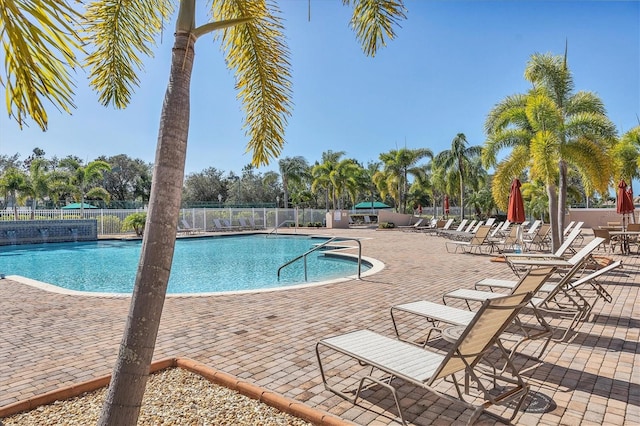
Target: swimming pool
200 265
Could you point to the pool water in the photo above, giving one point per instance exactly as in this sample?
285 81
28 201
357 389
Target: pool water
200 265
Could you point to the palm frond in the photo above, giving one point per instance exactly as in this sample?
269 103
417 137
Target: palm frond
121 31
40 47
509 168
374 20
503 139
551 73
509 112
590 123
591 159
257 53
545 150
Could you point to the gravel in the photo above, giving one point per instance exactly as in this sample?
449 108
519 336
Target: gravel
172 397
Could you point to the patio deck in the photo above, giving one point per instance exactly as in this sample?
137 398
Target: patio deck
51 340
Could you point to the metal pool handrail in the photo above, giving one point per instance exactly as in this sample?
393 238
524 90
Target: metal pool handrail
318 247
275 230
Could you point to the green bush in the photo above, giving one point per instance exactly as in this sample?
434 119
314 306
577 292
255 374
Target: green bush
386 225
135 221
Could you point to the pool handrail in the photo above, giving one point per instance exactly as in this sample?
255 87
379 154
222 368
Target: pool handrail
275 230
318 247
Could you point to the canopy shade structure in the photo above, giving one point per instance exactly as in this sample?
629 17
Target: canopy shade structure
79 206
371 205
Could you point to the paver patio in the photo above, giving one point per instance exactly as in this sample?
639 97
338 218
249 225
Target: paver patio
51 340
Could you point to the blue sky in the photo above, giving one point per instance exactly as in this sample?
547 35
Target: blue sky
450 64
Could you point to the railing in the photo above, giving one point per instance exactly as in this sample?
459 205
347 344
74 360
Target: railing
318 247
110 220
275 229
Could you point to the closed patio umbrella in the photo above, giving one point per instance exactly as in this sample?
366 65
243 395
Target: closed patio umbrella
515 212
446 205
624 202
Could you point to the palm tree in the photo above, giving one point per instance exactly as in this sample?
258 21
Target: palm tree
12 182
292 169
39 181
345 180
398 165
321 174
255 49
84 179
550 128
458 159
626 155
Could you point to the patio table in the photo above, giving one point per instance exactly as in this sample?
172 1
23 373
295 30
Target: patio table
624 239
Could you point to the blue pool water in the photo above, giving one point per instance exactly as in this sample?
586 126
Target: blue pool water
200 265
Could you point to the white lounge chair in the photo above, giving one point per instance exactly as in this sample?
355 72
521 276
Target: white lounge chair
424 368
440 316
478 242
186 228
584 255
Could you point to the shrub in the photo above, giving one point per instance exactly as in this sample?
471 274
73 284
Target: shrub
386 225
136 222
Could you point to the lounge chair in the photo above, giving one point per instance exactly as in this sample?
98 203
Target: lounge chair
424 368
220 226
581 257
490 221
413 227
566 299
576 285
496 230
531 231
540 238
186 228
568 228
562 251
470 226
462 225
442 316
478 241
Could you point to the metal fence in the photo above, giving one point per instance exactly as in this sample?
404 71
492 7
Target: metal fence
207 219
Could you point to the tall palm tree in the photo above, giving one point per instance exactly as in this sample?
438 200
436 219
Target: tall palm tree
344 180
39 179
13 181
458 159
84 179
119 31
398 164
292 169
322 176
549 128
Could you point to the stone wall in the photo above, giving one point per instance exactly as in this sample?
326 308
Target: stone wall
47 231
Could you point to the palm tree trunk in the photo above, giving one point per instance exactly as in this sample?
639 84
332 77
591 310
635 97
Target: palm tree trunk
461 198
126 390
553 217
562 201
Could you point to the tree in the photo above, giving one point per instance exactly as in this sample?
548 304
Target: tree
398 164
255 50
135 221
12 182
322 173
84 179
39 179
204 186
458 159
548 129
125 173
292 169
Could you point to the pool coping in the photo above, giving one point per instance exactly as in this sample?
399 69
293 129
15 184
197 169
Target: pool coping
270 398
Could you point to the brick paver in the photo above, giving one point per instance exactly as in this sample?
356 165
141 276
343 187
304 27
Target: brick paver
50 340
